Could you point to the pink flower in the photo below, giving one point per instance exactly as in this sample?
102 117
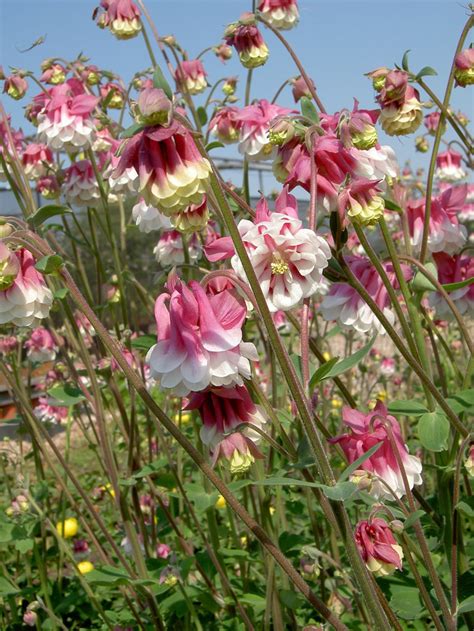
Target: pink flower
18 140
80 547
191 77
287 258
199 339
255 123
223 52
387 366
54 74
357 128
343 303
362 202
445 232
148 218
30 618
80 186
247 40
172 172
432 122
169 250
122 17
453 269
8 344
15 86
404 116
40 346
24 297
48 187
239 450
449 167
367 430
162 550
50 413
226 125
282 14
378 547
153 107
124 184
113 94
464 67
37 159
65 121
378 163
300 88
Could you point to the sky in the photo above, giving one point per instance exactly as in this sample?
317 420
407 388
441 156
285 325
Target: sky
337 41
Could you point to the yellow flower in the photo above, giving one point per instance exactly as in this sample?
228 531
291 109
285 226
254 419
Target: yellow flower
84 567
185 418
272 510
244 541
336 403
326 356
108 489
68 528
220 503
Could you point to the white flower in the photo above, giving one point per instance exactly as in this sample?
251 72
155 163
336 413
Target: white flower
149 218
169 249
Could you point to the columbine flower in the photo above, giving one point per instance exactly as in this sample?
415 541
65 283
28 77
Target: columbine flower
8 344
343 303
469 462
378 163
114 94
169 250
445 232
153 107
432 122
40 346
401 111
378 547
172 172
448 166
15 86
162 550
300 88
255 124
229 86
378 77
464 67
124 184
148 218
48 187
225 124
247 40
80 186
453 270
199 339
122 17
223 52
37 159
24 297
288 260
47 413
53 73
387 366
191 77
65 121
361 201
193 218
357 128
30 618
282 14
367 430
239 450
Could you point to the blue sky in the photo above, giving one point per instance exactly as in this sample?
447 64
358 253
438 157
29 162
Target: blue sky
337 42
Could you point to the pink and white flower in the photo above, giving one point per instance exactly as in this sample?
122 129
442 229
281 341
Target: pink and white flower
378 547
48 186
255 124
199 339
225 124
80 186
378 163
464 67
401 111
24 297
37 159
47 413
124 184
453 269
247 40
54 74
288 259
122 17
148 218
361 201
387 366
366 431
282 14
169 250
40 346
15 86
191 77
448 166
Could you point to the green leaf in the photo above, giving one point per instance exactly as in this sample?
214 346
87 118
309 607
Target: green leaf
49 264
132 130
66 395
405 60
349 362
24 545
466 506
356 464
46 212
144 342
462 283
60 294
408 407
202 115
405 601
412 518
340 492
214 145
309 110
159 81
420 283
151 468
7 588
254 601
466 605
391 205
433 431
291 599
426 71
233 554
108 575
321 372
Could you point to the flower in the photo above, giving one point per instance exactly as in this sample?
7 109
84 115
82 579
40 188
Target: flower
239 450
124 184
48 187
282 14
378 547
387 366
247 40
378 77
48 413
153 107
15 86
30 618
404 118
223 52
84 567
366 431
80 186
448 166
469 462
300 88
225 124
24 297
169 250
53 73
68 528
255 124
361 201
37 159
432 122
464 67
172 172
122 17
288 259
357 128
220 502
80 547
148 218
40 346
162 550
229 86
65 120
191 77
8 344
453 269
199 339
445 232
113 94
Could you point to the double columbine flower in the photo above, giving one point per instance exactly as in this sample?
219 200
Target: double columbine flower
191 77
247 40
361 201
401 111
24 297
148 218
80 186
288 259
199 339
454 269
122 17
378 547
254 129
449 167
47 413
464 68
225 124
367 430
169 250
40 346
282 14
37 159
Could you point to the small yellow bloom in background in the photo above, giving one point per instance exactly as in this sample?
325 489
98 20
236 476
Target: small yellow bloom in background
68 528
244 541
326 356
382 395
272 510
107 488
185 418
220 503
84 567
371 404
336 403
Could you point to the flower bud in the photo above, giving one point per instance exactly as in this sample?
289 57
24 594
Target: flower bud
6 230
378 77
397 526
464 67
223 52
16 87
363 479
153 107
30 618
229 86
9 267
421 144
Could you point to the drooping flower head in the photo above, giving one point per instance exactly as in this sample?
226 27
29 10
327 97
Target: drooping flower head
153 107
361 200
247 40
53 73
191 77
122 17
40 346
112 95
401 111
357 128
223 52
199 339
169 250
300 88
287 258
255 123
378 547
24 297
282 14
80 186
464 67
448 166
225 124
48 413
366 431
453 269
432 122
48 187
37 159
15 86
172 172
148 218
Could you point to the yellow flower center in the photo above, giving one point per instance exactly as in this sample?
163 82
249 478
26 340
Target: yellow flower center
278 264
